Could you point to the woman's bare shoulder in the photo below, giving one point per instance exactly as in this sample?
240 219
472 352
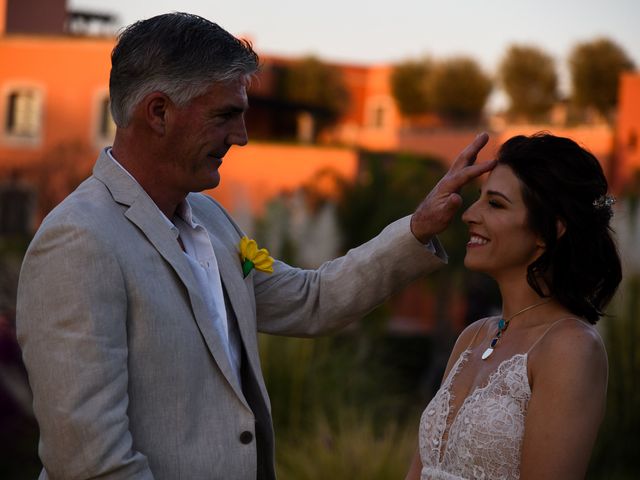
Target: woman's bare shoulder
573 336
573 343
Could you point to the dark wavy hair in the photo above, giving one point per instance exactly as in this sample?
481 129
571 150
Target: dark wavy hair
561 181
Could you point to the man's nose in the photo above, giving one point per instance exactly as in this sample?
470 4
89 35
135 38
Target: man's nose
239 135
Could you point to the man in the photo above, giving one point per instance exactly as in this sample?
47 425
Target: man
138 327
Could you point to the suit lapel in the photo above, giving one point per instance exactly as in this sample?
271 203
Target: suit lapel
143 213
237 291
231 274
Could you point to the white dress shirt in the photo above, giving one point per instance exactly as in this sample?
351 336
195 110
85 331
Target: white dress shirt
199 252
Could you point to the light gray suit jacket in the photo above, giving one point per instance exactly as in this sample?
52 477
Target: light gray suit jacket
129 377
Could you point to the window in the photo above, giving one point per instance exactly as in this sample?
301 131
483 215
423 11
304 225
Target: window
305 127
24 113
379 111
106 125
378 116
17 207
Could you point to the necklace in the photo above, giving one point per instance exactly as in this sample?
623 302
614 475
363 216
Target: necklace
504 324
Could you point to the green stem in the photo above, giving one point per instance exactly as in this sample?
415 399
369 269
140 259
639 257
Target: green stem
247 266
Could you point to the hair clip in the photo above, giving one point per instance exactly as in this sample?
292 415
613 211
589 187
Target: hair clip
604 201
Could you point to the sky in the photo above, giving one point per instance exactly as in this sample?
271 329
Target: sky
374 31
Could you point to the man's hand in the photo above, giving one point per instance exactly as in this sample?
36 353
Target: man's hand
436 211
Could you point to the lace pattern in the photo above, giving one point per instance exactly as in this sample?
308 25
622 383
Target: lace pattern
483 439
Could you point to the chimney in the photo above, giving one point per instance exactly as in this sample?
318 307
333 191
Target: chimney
33 16
3 16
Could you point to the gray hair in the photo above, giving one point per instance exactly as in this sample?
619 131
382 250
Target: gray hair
179 54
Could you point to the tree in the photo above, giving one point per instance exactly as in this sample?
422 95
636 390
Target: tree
409 86
459 89
529 78
595 71
317 85
390 186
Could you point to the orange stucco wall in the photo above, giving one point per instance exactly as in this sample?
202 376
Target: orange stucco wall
72 74
598 139
3 16
628 128
252 174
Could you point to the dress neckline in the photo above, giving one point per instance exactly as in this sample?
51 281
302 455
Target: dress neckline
445 389
473 393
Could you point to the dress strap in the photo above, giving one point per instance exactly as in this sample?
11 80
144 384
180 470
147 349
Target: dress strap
473 340
549 329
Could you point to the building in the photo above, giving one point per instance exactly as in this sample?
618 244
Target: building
54 105
627 140
54 109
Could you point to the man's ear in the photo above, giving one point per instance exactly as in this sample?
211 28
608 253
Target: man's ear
155 111
561 227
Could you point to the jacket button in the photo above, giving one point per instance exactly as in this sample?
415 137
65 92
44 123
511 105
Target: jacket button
246 437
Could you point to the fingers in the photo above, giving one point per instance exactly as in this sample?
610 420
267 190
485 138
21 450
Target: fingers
461 178
455 181
454 202
439 207
468 155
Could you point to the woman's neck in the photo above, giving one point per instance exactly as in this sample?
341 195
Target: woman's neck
518 295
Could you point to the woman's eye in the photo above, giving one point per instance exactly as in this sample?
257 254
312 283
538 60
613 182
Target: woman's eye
495 204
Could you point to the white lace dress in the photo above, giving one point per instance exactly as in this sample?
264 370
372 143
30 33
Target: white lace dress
483 440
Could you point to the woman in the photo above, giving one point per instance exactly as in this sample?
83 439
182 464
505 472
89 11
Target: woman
523 394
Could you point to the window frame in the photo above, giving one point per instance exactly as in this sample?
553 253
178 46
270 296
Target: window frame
101 138
379 104
11 136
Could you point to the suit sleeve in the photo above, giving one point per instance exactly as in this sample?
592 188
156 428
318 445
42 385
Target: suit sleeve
299 302
71 323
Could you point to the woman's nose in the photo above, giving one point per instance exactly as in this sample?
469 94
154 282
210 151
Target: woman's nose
470 215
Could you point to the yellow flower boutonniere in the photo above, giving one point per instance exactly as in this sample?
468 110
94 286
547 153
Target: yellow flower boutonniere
252 257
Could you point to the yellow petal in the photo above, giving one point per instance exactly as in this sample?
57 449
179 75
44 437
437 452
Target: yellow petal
265 260
265 263
267 268
259 258
261 255
251 250
243 245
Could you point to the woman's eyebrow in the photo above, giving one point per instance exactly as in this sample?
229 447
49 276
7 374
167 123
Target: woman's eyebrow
499 194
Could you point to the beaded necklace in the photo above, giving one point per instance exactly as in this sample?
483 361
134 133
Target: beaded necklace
504 324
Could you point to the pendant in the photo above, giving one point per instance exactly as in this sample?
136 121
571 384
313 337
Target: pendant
487 353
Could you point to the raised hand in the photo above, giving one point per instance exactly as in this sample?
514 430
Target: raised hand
435 212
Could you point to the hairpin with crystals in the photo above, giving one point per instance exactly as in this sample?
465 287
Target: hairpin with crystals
604 201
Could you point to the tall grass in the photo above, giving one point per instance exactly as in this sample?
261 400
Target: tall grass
340 407
343 408
349 447
616 455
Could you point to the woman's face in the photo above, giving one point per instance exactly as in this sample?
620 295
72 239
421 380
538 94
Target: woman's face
501 243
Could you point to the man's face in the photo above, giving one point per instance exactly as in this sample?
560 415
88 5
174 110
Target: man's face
199 135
